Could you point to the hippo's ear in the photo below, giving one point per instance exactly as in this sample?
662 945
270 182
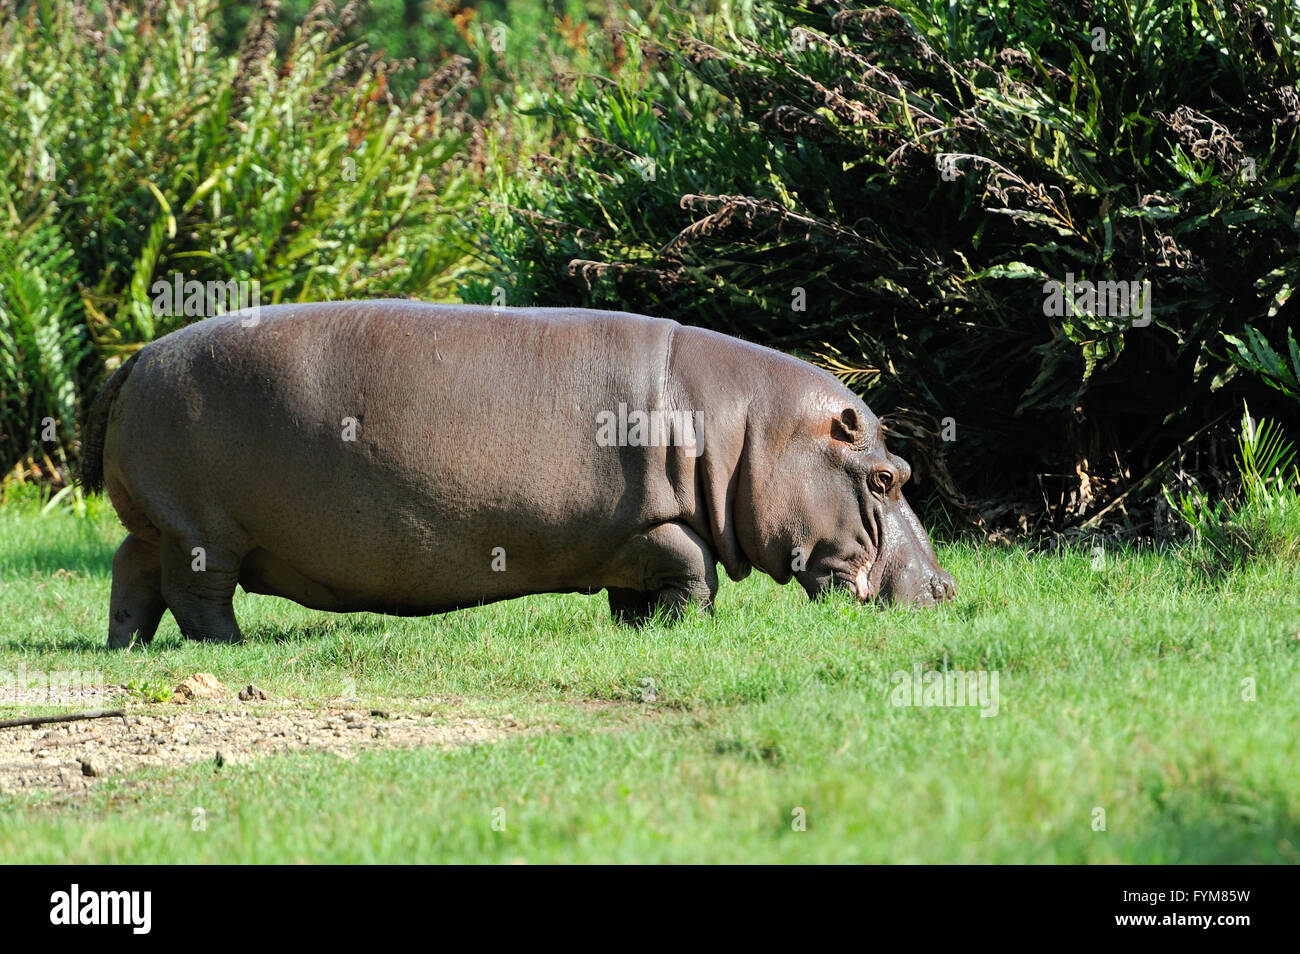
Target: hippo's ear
847 427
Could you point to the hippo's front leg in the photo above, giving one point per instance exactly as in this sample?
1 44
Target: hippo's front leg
673 568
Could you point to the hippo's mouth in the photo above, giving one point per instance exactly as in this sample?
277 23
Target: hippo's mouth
864 580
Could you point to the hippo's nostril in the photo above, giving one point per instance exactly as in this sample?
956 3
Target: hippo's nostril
943 587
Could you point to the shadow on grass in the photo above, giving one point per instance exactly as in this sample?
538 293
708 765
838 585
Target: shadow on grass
1216 821
1213 838
260 634
304 632
88 556
77 644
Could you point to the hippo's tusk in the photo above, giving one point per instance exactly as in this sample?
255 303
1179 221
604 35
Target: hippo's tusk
862 585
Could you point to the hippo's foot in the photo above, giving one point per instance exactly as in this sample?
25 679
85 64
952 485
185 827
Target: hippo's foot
136 604
678 570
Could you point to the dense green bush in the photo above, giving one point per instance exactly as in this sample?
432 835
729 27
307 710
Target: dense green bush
132 149
915 175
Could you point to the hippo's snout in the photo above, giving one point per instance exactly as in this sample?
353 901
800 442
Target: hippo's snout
919 583
939 587
916 579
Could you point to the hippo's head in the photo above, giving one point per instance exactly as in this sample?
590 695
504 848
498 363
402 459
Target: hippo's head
839 508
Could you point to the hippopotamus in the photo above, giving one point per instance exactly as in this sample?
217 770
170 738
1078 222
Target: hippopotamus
410 458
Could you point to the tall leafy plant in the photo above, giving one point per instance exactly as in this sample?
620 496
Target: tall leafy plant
134 149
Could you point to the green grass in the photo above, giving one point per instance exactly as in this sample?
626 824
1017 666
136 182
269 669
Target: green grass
1120 688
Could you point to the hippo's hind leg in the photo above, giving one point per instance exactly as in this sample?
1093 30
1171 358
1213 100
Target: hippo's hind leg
198 583
677 570
136 604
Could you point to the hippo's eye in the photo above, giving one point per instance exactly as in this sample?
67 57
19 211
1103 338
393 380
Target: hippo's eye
882 480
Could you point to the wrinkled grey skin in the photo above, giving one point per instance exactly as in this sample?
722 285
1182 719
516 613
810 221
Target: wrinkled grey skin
476 430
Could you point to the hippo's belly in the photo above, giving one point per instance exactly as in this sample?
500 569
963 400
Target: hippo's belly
264 573
365 560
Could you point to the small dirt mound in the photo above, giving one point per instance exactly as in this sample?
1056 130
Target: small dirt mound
201 685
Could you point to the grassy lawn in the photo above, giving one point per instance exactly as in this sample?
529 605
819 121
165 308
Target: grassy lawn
1132 688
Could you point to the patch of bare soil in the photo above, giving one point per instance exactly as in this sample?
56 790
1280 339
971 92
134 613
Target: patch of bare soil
73 756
